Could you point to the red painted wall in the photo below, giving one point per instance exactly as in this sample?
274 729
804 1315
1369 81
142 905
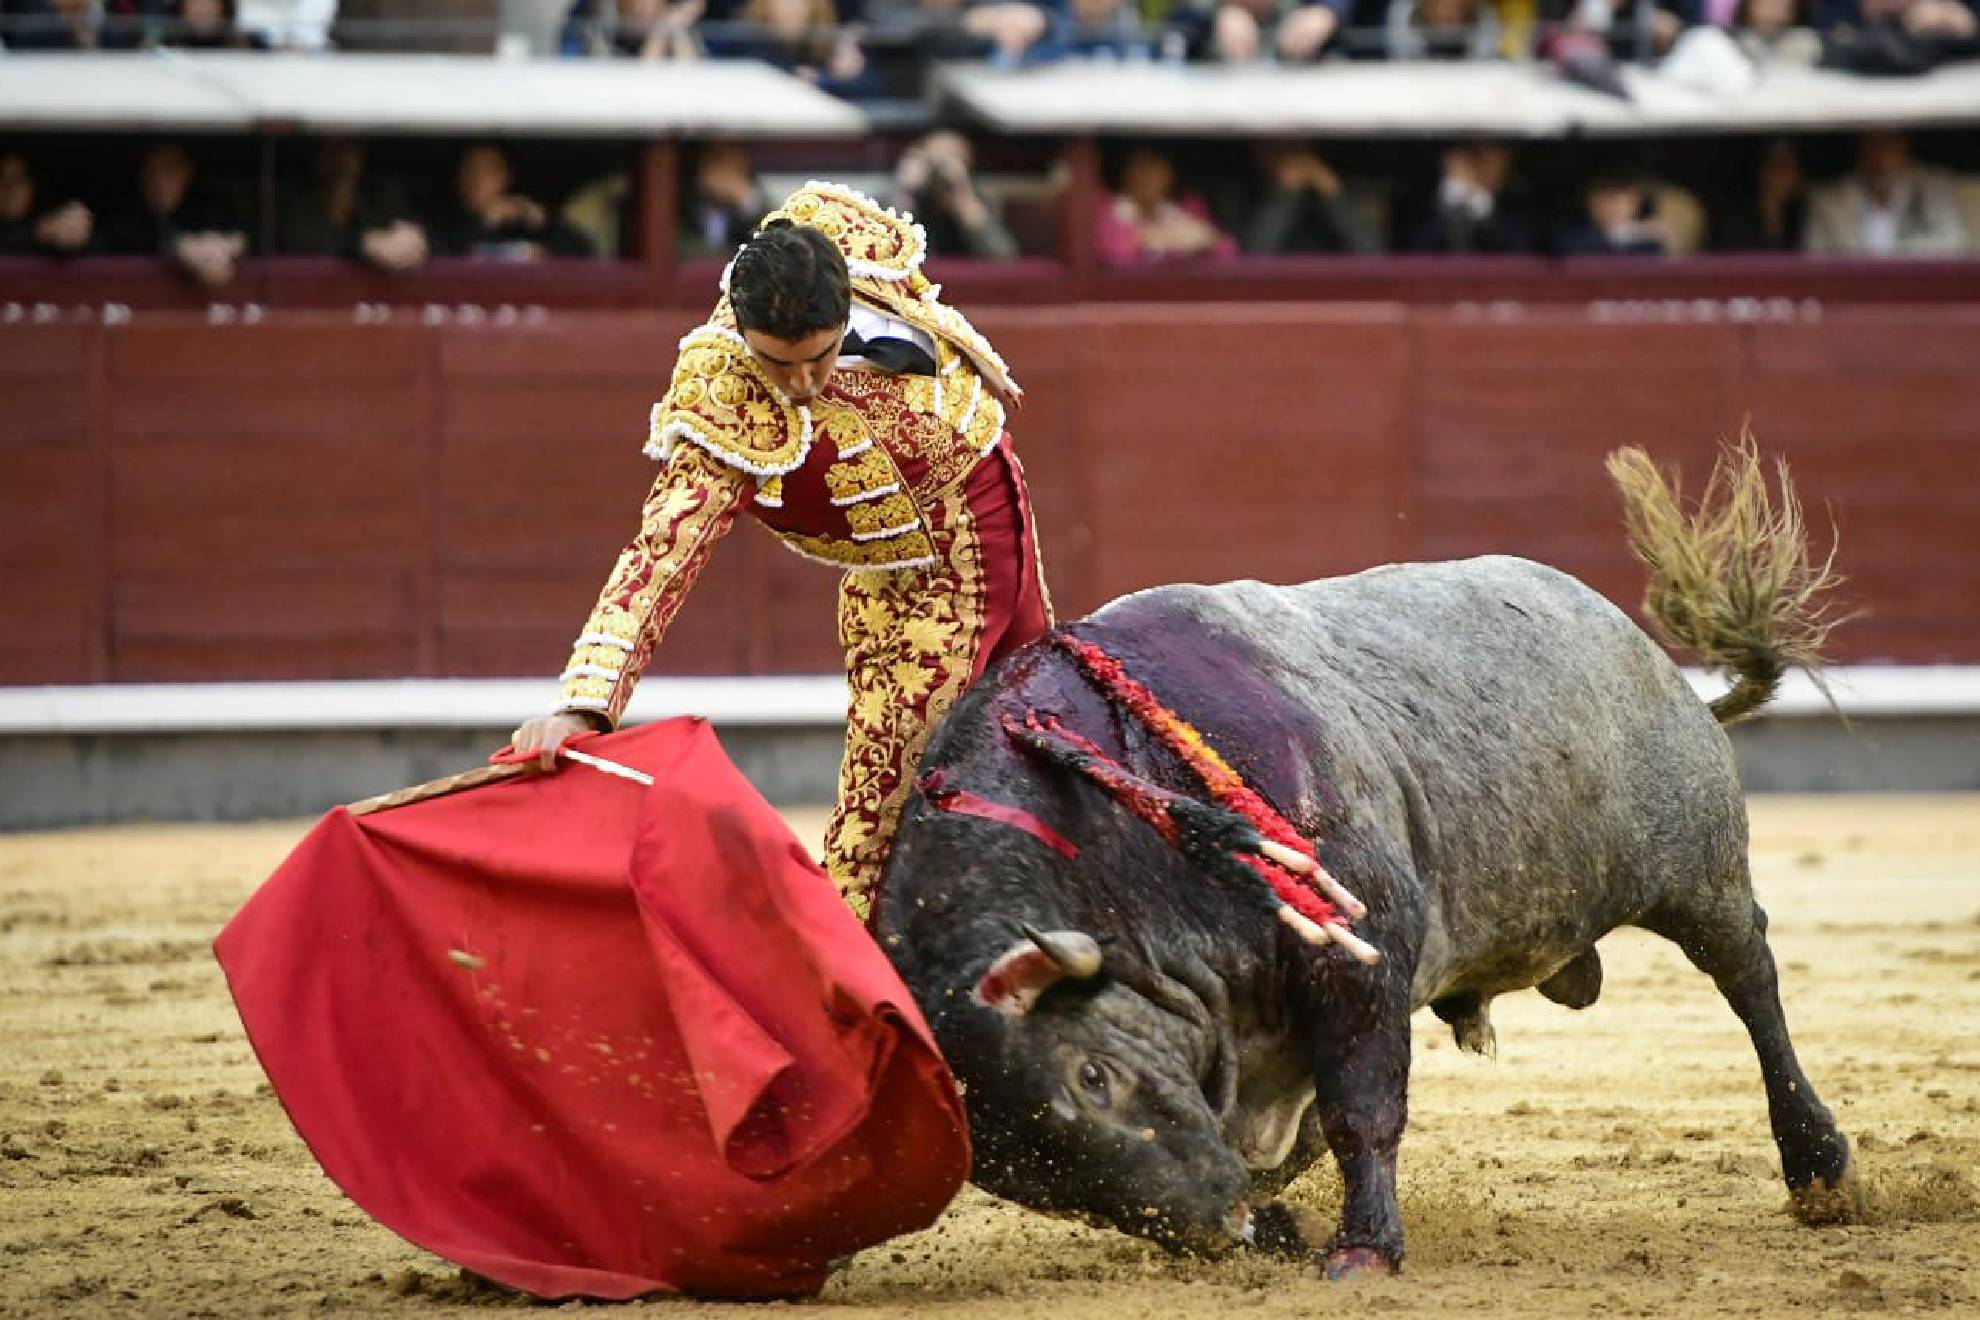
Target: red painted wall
310 497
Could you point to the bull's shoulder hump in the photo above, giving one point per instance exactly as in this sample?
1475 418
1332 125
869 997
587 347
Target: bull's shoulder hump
1192 600
1434 594
1506 578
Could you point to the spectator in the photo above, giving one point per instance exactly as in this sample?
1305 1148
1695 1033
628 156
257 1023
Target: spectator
495 223
181 216
1895 36
1619 220
1001 31
1149 221
289 24
33 223
1442 30
932 181
1095 29
1476 208
801 37
1775 217
642 29
1244 31
1306 209
1593 33
341 211
1776 32
51 25
723 205
207 25
1890 207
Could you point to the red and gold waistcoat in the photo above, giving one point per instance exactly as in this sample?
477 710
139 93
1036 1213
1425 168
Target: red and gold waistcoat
843 479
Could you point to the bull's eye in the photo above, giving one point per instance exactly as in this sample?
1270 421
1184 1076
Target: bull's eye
1093 1081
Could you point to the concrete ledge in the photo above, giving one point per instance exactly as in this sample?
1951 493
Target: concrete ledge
410 703
58 780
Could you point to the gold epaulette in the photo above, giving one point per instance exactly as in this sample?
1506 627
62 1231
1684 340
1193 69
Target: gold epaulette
720 402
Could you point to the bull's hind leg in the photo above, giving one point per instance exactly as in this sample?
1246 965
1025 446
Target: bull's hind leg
1729 944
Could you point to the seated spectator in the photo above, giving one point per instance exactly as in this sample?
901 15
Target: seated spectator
802 37
1244 31
1776 32
1890 207
491 221
1618 220
50 25
724 203
180 215
34 223
1775 217
341 211
1592 34
1150 221
1442 30
207 25
1001 31
641 29
298 24
1095 29
932 181
1476 208
1895 37
1306 209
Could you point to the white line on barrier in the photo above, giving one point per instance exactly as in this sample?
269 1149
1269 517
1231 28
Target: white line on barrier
1862 691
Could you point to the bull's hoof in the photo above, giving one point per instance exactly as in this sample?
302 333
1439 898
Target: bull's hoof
1838 1202
1346 1264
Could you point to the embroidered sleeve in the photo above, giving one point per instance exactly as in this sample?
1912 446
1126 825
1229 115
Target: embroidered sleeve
694 501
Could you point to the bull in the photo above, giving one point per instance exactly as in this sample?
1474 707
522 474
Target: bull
1494 760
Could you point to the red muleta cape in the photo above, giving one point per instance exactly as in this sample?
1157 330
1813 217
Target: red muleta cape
591 1038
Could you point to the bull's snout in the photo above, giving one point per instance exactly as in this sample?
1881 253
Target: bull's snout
1209 1218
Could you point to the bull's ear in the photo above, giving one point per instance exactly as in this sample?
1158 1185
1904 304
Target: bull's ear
1034 965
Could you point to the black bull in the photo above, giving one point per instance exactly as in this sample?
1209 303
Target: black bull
1498 762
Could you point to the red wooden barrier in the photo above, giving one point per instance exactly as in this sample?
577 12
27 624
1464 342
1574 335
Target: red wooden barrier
314 497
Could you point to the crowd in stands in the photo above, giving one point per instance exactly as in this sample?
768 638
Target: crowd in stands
1281 198
174 208
866 49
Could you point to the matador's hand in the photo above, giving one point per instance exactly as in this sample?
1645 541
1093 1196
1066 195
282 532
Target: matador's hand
546 733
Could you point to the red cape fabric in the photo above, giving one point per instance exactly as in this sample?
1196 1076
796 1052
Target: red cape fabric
591 1038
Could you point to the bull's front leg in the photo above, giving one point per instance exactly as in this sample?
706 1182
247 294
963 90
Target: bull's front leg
1361 1080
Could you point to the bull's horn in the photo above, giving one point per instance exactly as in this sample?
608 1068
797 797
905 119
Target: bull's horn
1034 965
1076 952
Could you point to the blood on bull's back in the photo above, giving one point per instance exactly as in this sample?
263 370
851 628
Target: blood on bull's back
1511 738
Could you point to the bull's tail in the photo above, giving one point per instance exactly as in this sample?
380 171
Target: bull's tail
1732 579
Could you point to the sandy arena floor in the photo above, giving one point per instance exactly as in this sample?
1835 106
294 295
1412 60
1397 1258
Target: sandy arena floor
1614 1161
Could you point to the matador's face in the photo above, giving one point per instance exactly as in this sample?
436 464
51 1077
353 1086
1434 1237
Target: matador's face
798 367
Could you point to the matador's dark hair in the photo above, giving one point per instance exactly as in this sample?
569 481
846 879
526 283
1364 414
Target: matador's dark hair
790 281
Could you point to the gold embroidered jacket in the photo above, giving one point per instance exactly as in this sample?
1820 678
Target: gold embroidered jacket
843 479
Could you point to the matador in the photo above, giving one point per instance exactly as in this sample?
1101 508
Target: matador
836 398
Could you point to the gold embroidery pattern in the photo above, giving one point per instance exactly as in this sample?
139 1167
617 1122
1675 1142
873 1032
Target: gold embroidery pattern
886 517
909 550
903 409
720 401
911 640
879 244
693 502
